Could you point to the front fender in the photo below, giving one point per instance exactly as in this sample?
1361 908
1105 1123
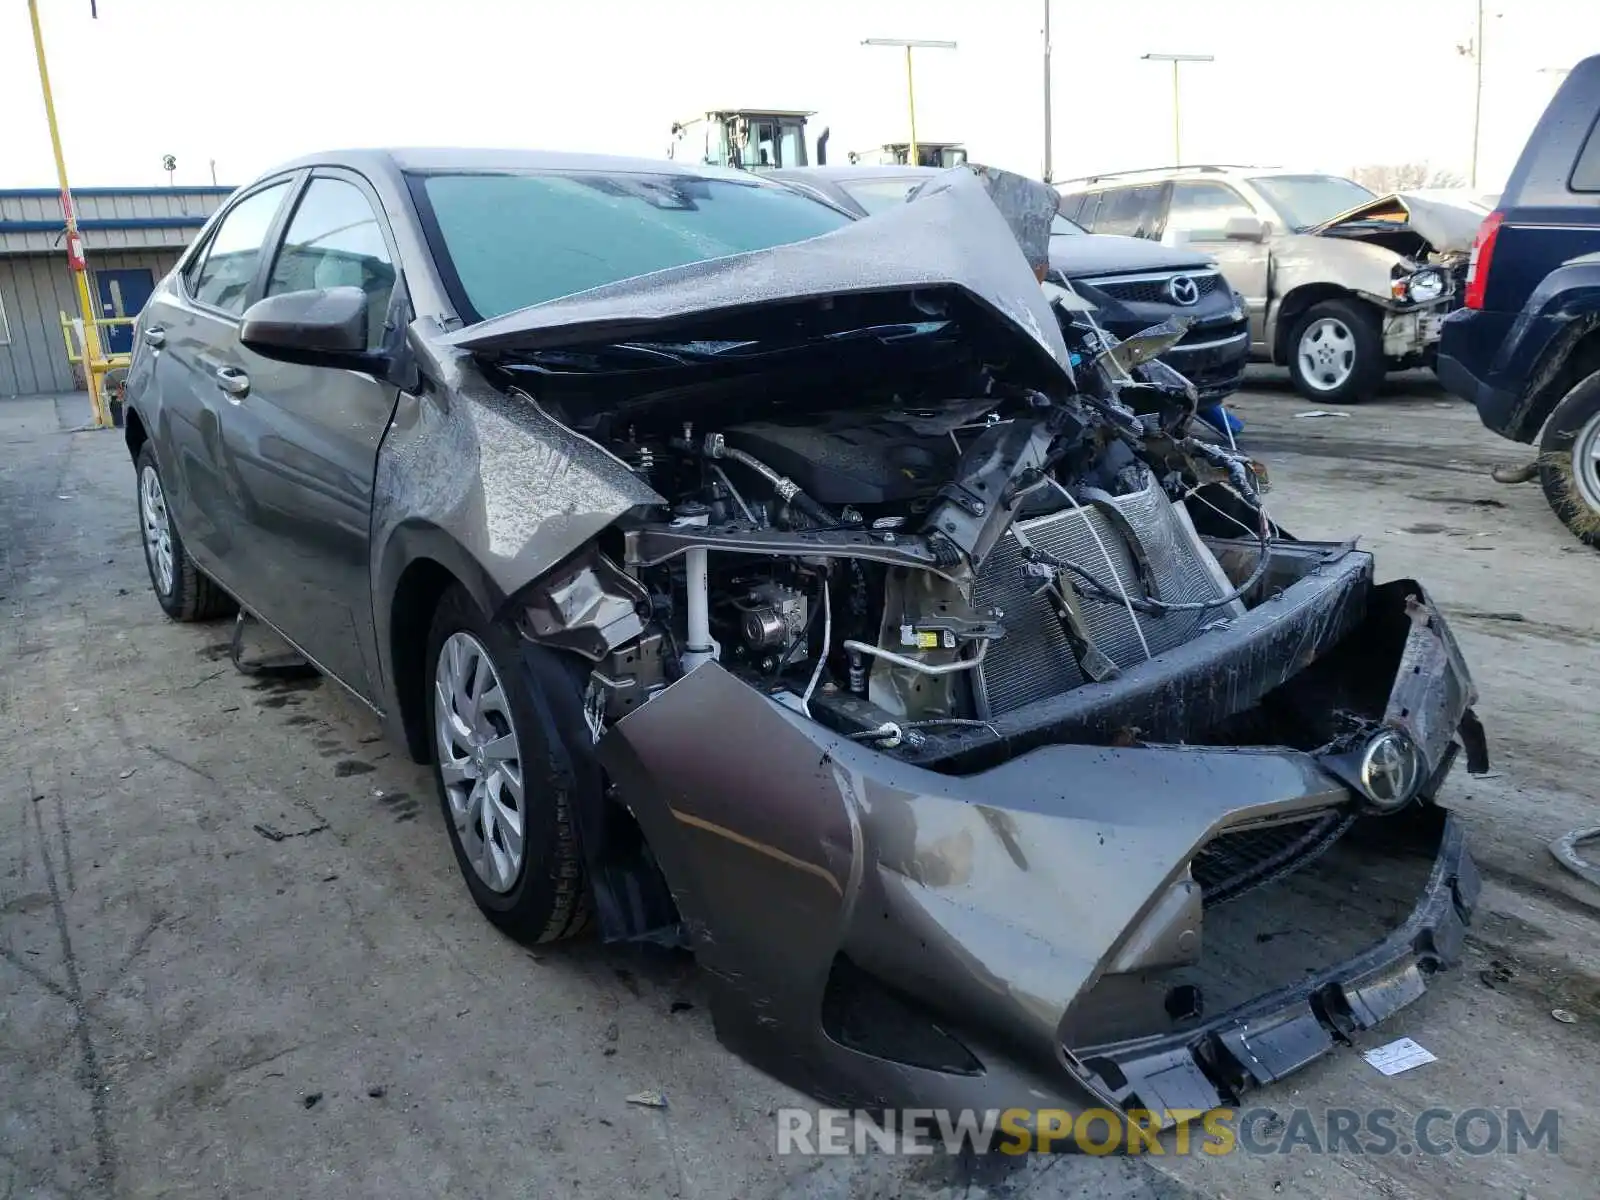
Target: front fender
1304 259
1562 313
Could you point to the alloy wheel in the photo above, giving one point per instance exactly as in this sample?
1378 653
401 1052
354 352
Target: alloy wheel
479 760
1327 354
157 526
1586 463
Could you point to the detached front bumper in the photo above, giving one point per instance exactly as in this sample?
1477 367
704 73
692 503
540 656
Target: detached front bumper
880 933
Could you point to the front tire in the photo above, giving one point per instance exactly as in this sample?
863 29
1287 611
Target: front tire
184 591
1569 460
508 795
1336 353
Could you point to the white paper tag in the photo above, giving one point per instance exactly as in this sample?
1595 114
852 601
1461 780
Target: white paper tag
1398 1056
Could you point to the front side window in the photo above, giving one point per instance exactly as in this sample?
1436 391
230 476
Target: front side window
1132 211
229 268
1307 200
1203 210
504 242
334 240
875 195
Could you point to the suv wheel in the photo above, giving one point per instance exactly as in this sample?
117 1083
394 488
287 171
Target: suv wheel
184 591
1336 353
1569 460
507 792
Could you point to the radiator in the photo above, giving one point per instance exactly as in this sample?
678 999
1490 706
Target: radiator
1034 659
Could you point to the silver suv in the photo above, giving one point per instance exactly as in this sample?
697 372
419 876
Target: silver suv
1341 285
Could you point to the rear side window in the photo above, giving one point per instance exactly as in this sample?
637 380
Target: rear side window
1132 211
1586 175
235 251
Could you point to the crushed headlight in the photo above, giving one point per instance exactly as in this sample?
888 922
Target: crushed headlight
1423 286
1390 769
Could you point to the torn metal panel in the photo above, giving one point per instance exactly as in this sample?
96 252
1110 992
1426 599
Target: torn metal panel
1448 227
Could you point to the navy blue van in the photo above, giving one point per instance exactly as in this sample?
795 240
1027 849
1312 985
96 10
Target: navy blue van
1525 348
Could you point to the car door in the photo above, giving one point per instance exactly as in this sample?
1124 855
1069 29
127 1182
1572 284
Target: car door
1198 217
123 293
305 439
192 328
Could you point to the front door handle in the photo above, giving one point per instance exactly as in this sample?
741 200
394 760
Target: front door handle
233 381
155 338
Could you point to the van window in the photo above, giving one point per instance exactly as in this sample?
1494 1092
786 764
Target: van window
1137 211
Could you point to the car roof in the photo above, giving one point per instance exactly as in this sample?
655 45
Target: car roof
1110 179
395 160
854 173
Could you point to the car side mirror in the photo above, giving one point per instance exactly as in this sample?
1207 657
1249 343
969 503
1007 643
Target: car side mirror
1245 229
322 327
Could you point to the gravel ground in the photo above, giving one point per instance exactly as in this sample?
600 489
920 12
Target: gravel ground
236 958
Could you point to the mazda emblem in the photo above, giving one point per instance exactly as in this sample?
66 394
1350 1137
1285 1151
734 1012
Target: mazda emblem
1183 290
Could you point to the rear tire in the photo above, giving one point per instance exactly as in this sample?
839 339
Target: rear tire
495 706
1336 353
184 591
1569 460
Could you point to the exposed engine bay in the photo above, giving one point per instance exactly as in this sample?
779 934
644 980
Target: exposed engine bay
910 566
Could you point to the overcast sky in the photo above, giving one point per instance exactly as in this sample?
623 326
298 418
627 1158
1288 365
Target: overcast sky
251 82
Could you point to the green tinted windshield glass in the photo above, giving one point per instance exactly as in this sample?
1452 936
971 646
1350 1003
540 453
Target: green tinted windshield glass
516 240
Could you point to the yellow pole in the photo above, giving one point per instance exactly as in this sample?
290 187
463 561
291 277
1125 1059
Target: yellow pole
93 363
911 98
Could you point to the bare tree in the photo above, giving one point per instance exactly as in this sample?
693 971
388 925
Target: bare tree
1404 177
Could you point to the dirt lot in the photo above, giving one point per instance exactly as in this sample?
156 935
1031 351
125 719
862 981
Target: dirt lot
236 958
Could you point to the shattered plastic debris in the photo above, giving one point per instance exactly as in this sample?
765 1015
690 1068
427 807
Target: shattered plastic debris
1321 412
1398 1056
648 1099
1563 1016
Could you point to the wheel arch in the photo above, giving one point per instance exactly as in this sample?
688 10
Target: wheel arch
1572 358
134 433
419 564
1294 305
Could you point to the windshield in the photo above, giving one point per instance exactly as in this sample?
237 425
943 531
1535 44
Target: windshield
1306 200
875 195
1061 227
504 242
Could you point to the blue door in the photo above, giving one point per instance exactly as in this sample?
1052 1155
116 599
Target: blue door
123 293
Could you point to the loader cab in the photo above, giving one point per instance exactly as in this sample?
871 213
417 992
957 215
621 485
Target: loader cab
748 138
929 154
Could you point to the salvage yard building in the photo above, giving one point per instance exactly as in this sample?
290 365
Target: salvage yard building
131 236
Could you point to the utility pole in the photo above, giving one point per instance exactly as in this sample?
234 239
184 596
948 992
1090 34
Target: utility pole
911 91
1177 122
1477 95
93 362
1047 139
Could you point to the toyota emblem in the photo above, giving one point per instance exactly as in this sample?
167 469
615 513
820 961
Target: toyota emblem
1183 290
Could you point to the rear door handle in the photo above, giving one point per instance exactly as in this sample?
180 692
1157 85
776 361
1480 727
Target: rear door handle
233 381
155 338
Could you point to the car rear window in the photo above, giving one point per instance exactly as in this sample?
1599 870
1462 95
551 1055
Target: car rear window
506 241
875 195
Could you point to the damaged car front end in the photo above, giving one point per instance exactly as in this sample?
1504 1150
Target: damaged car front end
903 656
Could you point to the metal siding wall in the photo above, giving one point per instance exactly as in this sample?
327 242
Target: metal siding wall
36 289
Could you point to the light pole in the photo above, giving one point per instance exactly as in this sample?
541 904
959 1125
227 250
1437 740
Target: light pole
1474 50
911 91
1177 127
1047 171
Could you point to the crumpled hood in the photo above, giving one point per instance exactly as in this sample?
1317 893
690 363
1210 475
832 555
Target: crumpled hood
953 235
1449 226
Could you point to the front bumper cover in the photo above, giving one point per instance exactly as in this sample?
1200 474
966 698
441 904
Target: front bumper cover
986 906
